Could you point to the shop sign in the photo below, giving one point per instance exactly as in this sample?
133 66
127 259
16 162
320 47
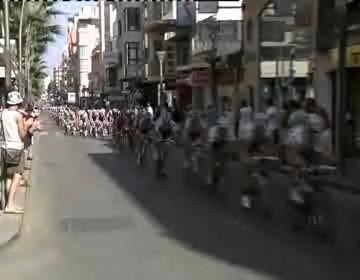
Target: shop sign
352 56
200 78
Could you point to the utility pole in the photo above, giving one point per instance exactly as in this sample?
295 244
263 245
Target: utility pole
7 47
291 88
213 36
161 94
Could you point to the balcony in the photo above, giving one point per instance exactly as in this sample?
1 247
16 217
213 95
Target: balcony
134 71
111 57
227 37
282 69
112 90
157 21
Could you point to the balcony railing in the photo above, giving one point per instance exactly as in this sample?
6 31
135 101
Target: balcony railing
226 38
111 57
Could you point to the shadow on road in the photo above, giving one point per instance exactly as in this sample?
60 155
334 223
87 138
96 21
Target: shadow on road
203 224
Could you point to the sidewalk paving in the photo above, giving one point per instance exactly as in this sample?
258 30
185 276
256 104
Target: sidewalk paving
10 224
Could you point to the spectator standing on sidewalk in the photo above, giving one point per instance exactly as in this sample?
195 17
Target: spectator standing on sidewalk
15 129
30 116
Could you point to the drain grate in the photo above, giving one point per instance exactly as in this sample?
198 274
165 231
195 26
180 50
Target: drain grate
78 225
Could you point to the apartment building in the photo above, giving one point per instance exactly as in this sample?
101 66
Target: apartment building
326 65
216 40
71 75
110 53
96 74
277 51
161 35
57 74
83 37
130 45
63 69
87 39
181 29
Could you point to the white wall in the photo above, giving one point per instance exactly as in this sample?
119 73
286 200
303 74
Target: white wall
268 69
88 37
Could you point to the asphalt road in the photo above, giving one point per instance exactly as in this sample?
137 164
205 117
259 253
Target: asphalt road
93 214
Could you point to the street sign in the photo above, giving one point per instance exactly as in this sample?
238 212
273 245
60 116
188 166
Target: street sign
161 55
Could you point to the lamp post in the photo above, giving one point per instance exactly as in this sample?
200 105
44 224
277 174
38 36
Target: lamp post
161 57
213 29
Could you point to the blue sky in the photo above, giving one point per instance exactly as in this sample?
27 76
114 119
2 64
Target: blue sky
53 54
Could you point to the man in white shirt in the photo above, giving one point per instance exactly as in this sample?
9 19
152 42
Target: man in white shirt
272 117
150 109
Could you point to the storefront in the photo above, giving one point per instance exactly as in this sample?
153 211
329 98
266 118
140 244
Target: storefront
353 95
194 87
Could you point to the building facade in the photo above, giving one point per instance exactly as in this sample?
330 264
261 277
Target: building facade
96 74
130 45
110 54
326 68
87 39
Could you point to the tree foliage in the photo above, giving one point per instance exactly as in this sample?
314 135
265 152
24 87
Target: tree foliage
38 31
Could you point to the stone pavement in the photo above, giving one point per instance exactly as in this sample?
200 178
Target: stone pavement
11 224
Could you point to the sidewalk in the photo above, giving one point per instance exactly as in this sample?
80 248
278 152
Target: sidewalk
11 224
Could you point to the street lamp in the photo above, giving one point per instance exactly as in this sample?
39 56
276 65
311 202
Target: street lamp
213 29
161 57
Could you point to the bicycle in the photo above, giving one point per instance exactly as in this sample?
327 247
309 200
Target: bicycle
305 209
142 151
160 152
193 161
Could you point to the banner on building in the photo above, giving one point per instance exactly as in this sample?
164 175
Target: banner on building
185 13
208 7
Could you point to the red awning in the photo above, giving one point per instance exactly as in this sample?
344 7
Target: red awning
197 78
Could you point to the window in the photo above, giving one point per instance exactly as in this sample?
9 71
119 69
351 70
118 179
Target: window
166 7
132 19
119 27
146 54
120 59
84 65
170 55
132 50
111 76
158 45
108 46
83 50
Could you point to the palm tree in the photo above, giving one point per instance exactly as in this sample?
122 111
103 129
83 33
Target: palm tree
31 26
